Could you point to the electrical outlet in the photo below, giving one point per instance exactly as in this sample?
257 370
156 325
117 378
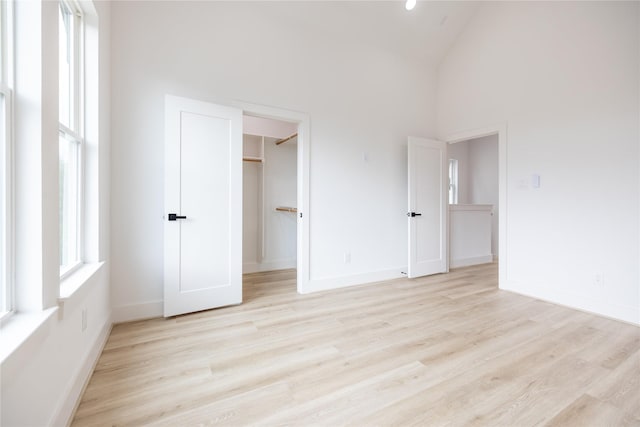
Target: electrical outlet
347 257
84 319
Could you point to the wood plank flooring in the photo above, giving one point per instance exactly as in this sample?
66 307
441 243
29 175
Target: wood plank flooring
449 350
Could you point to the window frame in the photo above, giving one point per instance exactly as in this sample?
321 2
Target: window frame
453 182
75 132
7 282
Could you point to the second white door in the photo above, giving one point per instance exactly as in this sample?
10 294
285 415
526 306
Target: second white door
203 206
427 213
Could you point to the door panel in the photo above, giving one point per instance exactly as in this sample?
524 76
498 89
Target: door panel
427 161
203 182
205 236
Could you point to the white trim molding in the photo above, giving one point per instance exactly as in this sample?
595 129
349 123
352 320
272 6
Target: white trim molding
324 284
465 262
600 307
256 267
67 408
140 311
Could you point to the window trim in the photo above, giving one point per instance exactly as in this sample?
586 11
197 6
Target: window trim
71 137
7 257
77 122
6 203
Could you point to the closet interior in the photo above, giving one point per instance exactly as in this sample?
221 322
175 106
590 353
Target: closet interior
269 195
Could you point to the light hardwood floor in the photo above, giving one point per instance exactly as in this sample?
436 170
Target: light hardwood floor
450 349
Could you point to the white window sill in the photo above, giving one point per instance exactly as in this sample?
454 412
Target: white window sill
76 284
20 328
76 280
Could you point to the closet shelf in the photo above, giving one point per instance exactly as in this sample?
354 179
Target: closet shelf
283 140
286 209
253 159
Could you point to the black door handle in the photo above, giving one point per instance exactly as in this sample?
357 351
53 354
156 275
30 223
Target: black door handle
413 214
173 217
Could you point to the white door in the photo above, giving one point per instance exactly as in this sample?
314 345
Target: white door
427 214
203 206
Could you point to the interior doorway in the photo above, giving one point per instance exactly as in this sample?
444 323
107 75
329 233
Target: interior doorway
270 204
477 197
473 201
301 123
203 259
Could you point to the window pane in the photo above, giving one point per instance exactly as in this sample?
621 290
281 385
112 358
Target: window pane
65 61
453 181
69 218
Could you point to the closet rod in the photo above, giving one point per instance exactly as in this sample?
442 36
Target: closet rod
282 141
286 209
252 159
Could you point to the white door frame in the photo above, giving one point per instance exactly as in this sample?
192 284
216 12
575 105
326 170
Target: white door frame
501 131
303 217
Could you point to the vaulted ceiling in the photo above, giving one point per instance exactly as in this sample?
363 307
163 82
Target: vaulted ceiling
426 32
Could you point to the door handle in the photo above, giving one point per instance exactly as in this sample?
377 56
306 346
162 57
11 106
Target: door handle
173 217
413 214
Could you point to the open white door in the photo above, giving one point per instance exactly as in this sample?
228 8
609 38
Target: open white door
203 206
427 215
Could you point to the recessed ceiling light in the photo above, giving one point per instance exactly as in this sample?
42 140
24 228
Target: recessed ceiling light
410 4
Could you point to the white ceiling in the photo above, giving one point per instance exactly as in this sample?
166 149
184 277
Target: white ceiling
425 33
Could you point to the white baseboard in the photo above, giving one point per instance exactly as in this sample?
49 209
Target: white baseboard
323 284
255 267
588 304
464 262
65 412
131 312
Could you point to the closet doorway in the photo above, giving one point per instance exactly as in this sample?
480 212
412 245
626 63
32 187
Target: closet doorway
270 206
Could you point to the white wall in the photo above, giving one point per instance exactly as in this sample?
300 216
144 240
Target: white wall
280 190
252 179
362 96
483 183
43 378
469 235
563 76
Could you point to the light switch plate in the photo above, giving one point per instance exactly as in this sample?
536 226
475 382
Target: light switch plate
535 181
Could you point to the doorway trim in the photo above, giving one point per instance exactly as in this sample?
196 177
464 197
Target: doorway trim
501 131
303 161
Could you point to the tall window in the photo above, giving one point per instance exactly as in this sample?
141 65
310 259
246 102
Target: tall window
71 140
6 64
453 181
